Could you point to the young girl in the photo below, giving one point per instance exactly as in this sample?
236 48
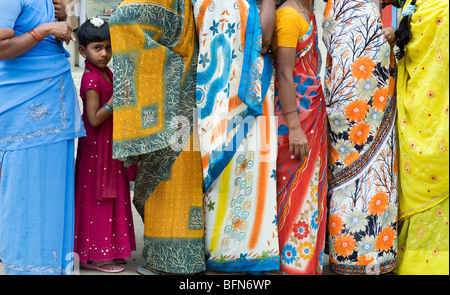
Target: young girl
104 232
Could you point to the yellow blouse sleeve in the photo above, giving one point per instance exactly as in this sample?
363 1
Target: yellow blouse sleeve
289 27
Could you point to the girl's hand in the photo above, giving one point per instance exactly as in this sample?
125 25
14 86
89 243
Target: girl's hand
62 31
298 143
60 10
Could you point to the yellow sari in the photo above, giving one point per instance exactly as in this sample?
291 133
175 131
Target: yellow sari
423 128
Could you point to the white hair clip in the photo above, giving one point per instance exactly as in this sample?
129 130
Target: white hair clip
97 22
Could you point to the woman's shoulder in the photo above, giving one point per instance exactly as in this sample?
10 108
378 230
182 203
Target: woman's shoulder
288 15
290 20
287 11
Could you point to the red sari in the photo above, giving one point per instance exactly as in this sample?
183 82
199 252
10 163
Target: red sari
302 186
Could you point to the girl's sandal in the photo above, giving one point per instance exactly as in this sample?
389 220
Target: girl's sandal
103 266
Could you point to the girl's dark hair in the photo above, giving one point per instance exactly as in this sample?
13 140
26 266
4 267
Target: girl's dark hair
403 34
88 33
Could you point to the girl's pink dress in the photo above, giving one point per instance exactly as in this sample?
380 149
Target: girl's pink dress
103 218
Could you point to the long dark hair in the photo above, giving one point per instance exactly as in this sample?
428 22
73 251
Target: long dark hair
403 34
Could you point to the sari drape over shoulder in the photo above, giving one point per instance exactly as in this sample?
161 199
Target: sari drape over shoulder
237 137
155 56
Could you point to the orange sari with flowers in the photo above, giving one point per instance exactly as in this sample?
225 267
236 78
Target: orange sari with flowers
361 107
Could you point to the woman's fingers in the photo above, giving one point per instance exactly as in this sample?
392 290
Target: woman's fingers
62 32
305 151
60 9
297 150
389 34
291 148
298 143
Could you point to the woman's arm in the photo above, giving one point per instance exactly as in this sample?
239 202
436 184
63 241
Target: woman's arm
60 10
12 46
96 113
268 18
298 143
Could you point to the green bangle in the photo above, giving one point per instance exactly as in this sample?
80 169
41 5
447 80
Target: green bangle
108 107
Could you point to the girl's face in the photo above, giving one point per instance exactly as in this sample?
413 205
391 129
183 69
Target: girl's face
97 53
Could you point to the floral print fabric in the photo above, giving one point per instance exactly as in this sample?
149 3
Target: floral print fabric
360 90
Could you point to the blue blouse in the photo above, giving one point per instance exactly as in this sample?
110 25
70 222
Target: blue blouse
38 100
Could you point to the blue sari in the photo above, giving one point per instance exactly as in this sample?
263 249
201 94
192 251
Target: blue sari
40 118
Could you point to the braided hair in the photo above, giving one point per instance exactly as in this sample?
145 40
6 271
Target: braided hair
403 34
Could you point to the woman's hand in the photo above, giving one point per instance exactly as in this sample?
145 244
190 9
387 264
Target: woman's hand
60 10
13 46
389 35
62 31
298 143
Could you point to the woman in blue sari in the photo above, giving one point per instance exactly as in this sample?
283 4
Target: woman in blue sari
39 120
